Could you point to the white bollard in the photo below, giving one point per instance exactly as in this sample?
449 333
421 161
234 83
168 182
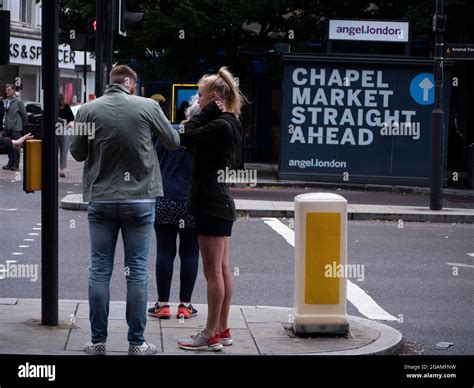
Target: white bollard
320 251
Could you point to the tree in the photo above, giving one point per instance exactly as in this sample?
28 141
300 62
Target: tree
183 40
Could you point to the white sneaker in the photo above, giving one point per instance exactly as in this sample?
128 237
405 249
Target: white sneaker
95 349
142 350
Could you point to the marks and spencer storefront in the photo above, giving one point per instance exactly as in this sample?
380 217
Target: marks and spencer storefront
24 70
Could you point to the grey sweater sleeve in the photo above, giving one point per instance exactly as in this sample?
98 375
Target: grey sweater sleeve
22 112
163 130
79 146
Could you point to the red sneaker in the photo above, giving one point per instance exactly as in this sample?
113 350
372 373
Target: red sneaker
225 338
201 342
186 312
162 312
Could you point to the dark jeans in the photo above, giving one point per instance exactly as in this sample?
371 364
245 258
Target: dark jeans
14 155
166 235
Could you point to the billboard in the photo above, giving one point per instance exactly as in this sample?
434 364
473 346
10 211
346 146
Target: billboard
356 119
181 96
369 30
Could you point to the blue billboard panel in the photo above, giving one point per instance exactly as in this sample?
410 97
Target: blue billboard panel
357 121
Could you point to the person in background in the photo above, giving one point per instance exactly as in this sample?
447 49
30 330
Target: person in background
15 120
121 182
213 135
180 114
2 115
173 220
65 117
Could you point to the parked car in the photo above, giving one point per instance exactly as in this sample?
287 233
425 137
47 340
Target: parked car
34 111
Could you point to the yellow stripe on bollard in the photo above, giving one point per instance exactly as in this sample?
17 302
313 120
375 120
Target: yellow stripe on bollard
323 247
32 166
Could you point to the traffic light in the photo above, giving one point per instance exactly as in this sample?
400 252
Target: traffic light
126 17
4 37
85 42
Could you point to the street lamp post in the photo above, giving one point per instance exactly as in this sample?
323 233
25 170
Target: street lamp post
437 149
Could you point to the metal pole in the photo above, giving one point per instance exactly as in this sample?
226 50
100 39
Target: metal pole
437 137
110 37
49 192
99 48
84 75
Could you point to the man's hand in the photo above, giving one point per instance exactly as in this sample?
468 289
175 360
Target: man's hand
17 143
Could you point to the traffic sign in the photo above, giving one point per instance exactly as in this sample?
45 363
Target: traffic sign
460 51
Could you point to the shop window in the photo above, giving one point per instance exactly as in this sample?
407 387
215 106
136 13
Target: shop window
26 7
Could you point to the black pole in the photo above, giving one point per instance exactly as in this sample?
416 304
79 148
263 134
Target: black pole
84 75
99 48
49 192
110 37
437 154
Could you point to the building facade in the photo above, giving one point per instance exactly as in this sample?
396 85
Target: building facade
24 69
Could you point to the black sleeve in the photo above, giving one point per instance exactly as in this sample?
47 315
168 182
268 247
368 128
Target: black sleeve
69 114
208 113
201 129
5 145
209 134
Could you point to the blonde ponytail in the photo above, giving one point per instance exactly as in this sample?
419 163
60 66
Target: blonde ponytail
223 83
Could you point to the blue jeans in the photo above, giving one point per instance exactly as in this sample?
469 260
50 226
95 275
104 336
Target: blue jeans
135 221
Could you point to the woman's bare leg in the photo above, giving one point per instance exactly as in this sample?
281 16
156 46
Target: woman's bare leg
228 287
212 251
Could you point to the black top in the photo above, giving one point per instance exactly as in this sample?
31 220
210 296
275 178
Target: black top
66 113
213 136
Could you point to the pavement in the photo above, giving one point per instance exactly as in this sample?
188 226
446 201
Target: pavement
255 208
256 330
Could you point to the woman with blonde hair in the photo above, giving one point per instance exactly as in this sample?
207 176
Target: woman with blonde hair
212 136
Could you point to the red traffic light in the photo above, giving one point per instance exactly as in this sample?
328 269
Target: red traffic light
94 25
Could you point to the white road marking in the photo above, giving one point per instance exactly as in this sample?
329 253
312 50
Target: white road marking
283 230
9 210
470 254
356 295
33 234
36 228
28 239
38 224
460 265
23 246
17 253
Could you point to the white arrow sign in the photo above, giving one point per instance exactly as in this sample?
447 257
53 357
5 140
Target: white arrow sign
426 85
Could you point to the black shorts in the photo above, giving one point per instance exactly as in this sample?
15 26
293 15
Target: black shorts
212 226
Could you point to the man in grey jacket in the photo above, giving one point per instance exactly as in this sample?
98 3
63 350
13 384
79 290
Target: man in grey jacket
15 120
121 182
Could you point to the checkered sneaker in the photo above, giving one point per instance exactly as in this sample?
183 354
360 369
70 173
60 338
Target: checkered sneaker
95 349
142 350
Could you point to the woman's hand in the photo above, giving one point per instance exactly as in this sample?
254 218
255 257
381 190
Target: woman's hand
220 105
17 143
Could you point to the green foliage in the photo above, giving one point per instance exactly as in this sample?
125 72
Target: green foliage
192 37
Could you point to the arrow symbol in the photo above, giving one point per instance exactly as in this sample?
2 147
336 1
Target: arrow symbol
426 85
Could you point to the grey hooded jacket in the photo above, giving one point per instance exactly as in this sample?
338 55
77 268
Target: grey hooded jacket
120 159
15 114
